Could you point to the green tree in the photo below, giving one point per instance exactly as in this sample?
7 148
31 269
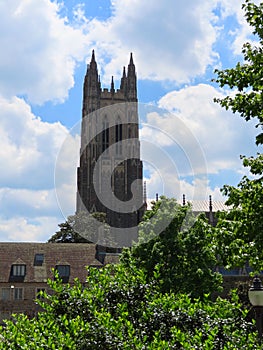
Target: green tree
247 77
240 230
82 228
119 309
180 245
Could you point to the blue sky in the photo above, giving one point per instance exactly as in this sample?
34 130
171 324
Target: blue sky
176 46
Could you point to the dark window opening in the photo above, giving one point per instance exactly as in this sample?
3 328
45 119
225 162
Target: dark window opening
39 259
118 137
105 136
63 272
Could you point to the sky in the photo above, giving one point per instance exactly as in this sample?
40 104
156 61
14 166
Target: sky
189 144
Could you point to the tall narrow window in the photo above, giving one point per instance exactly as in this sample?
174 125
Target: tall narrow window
5 295
105 135
18 293
18 270
118 137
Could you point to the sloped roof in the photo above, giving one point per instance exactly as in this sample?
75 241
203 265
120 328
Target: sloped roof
77 255
203 206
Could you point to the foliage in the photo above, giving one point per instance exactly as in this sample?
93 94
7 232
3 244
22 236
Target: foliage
239 231
81 228
247 77
184 252
119 309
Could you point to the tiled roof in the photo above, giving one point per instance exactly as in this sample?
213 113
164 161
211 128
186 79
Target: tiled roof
77 255
203 206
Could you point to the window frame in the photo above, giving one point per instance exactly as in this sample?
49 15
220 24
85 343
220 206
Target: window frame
64 275
39 259
18 293
18 270
7 296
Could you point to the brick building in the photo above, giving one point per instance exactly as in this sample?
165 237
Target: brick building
26 267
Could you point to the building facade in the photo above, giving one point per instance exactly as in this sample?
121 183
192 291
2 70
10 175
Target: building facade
109 176
26 267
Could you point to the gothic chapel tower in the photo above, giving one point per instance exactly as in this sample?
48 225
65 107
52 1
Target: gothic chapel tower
109 177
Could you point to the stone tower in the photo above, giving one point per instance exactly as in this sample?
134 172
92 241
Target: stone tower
109 177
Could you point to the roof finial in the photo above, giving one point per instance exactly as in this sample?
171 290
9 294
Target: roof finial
144 192
124 72
112 85
131 59
210 204
93 56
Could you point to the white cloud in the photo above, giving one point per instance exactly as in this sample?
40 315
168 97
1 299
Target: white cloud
28 203
171 41
221 135
23 229
29 149
161 34
183 147
28 146
199 188
39 50
241 33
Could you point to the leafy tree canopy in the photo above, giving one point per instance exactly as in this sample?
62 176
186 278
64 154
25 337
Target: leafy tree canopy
247 77
119 309
81 228
180 246
239 231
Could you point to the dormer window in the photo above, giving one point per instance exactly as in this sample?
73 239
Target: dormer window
39 259
18 270
17 273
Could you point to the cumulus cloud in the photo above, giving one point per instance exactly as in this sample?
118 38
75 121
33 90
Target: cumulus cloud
240 33
222 136
39 50
27 230
29 150
190 139
162 35
172 40
28 146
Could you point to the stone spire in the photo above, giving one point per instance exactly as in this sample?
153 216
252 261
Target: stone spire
112 90
123 85
131 81
91 88
131 68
